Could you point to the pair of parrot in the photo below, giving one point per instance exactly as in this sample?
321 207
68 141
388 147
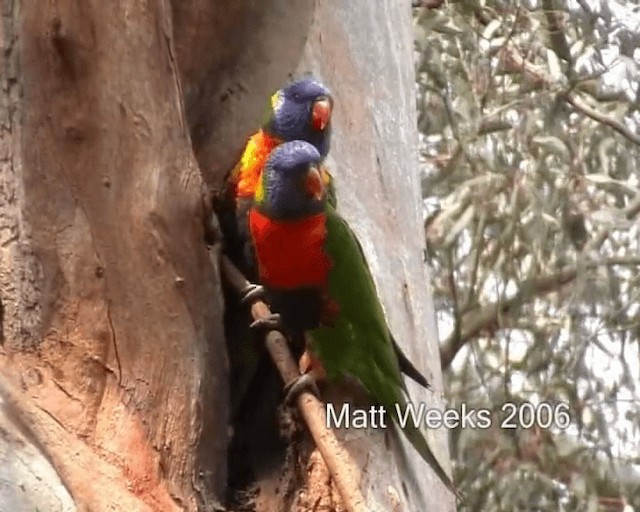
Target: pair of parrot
301 110
309 261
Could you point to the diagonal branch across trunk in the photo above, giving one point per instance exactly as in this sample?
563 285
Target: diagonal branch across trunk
341 466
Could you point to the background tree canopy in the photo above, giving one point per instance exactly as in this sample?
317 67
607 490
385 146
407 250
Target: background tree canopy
528 113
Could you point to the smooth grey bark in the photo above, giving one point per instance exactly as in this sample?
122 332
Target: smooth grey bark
364 52
27 480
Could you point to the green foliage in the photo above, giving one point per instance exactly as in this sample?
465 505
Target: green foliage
530 143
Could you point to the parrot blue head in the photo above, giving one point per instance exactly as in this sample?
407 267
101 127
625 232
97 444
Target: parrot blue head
302 111
292 186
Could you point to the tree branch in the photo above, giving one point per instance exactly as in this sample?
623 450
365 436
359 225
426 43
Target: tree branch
556 31
574 100
613 262
515 61
474 322
339 462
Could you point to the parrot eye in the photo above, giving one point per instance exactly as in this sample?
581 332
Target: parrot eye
296 96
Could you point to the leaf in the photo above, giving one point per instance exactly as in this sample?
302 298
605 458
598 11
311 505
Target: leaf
497 43
551 220
491 28
486 42
552 144
569 449
599 177
577 48
450 28
441 23
555 68
603 147
464 221
603 179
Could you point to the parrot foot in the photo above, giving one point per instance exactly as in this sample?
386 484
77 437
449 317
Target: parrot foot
304 383
251 293
270 323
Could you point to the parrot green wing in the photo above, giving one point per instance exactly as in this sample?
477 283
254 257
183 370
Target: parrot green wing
359 344
332 199
362 346
406 366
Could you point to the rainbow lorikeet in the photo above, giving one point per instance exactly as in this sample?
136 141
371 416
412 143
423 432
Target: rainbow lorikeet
316 276
301 110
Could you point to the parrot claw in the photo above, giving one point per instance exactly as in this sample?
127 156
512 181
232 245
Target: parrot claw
295 387
251 293
270 323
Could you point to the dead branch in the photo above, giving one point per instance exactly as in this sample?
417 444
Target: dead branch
341 466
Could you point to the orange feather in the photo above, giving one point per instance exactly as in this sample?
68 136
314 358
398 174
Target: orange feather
247 173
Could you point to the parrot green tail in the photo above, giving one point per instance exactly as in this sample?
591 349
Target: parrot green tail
359 343
417 439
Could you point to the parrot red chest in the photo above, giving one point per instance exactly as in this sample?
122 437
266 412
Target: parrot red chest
291 254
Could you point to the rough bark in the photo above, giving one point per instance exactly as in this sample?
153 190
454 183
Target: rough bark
112 119
111 306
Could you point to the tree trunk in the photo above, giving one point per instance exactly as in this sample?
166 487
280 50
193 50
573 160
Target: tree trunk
364 50
112 310
113 118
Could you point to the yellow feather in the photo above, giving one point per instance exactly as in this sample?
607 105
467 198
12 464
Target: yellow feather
277 100
259 197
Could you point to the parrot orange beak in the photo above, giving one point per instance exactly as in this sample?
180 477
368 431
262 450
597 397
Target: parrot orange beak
321 113
313 184
326 177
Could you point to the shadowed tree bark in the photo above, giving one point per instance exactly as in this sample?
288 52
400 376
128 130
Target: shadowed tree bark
114 123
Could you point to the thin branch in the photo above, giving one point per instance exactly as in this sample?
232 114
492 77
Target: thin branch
574 100
474 322
457 318
556 31
482 319
488 126
616 261
514 61
343 469
478 245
